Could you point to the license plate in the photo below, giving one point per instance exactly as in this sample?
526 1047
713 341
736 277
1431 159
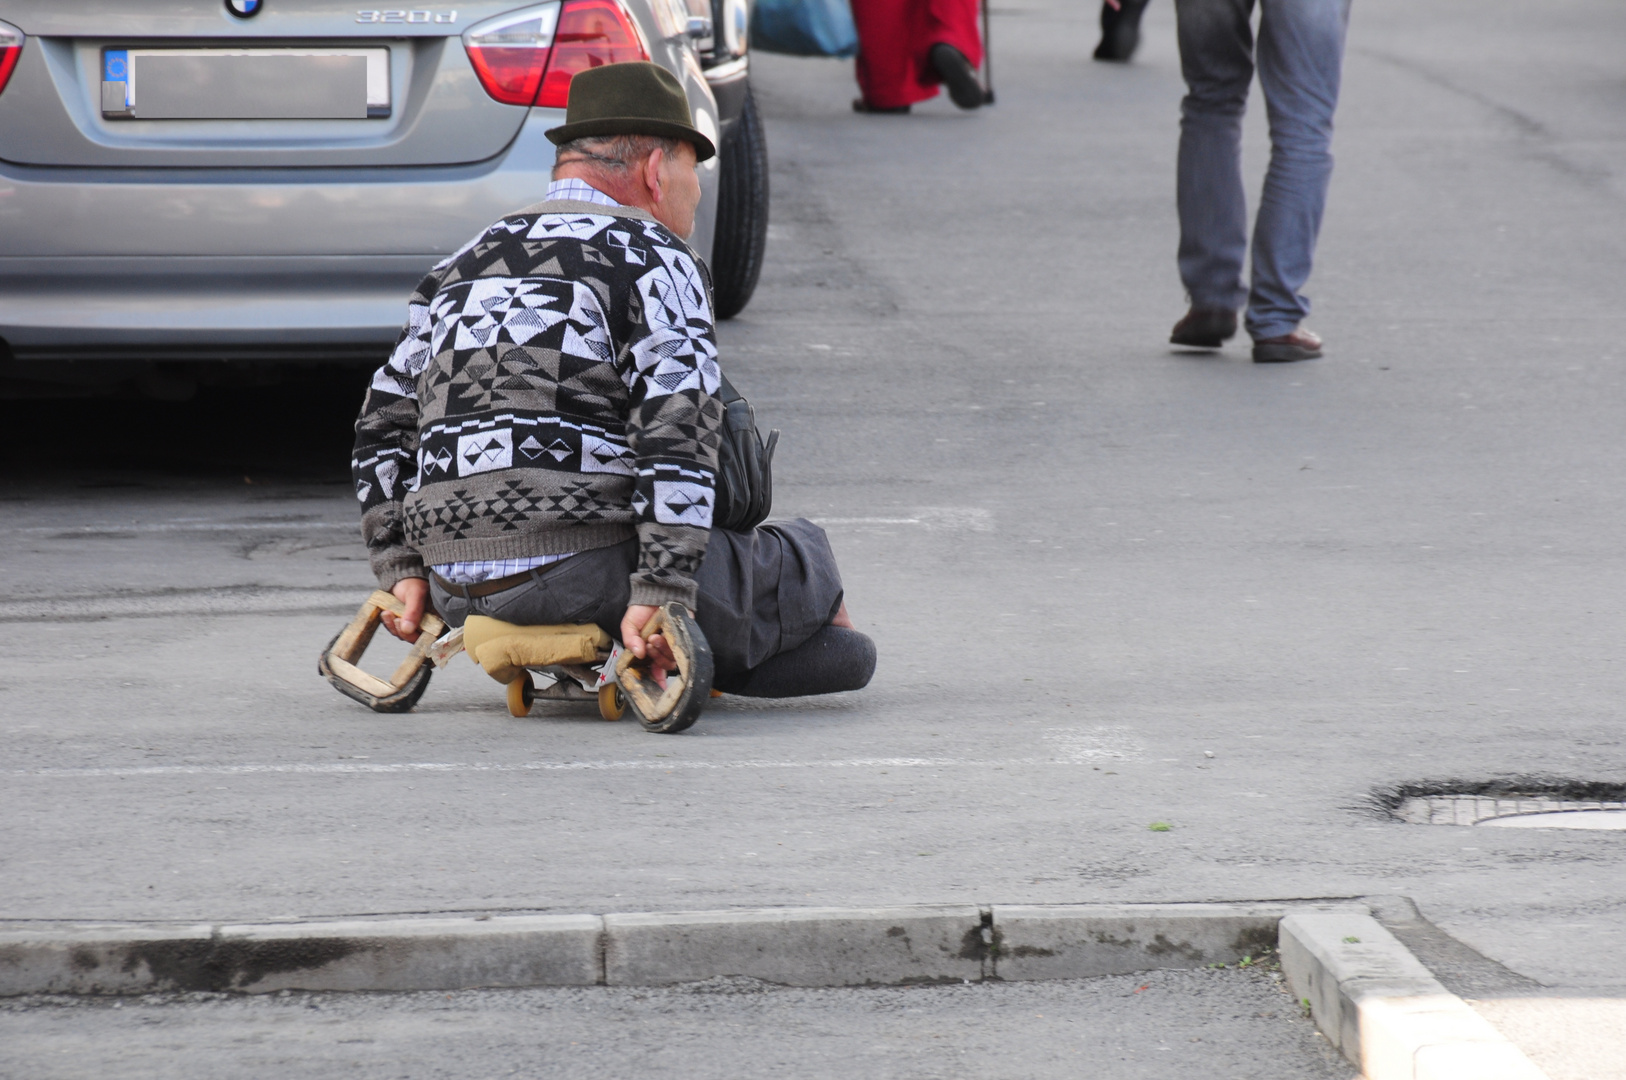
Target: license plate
246 84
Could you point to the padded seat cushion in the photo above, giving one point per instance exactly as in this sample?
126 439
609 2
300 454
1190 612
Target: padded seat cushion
504 650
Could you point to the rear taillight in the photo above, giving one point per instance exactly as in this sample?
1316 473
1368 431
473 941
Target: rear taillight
510 52
592 33
528 57
11 47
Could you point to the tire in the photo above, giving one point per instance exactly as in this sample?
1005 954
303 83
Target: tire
742 212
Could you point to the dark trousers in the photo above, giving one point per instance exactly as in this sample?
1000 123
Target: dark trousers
762 593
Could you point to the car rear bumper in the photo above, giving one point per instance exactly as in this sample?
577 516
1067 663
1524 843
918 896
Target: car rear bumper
196 307
289 264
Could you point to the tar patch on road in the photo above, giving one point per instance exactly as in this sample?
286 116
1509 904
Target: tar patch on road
225 964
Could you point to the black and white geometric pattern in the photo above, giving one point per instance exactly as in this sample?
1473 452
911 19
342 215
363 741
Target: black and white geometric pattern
680 352
575 226
673 495
485 451
556 378
621 241
525 439
382 470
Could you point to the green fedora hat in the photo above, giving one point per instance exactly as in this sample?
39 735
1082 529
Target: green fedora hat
634 98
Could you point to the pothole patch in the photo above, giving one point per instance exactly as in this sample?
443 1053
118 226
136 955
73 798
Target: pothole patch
1500 804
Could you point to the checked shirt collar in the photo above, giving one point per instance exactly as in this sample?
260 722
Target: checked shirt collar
579 191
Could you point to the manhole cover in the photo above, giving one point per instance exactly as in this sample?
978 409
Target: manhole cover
1512 811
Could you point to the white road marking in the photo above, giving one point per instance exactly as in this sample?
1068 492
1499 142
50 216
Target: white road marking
946 518
187 526
224 600
325 768
1082 745
951 518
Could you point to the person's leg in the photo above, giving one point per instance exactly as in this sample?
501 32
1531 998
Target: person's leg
886 66
453 609
951 47
951 22
1120 30
1216 58
1301 52
763 595
832 660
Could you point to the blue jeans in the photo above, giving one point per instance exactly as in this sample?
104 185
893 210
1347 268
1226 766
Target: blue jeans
1300 55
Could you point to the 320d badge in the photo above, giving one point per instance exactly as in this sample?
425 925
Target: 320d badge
404 16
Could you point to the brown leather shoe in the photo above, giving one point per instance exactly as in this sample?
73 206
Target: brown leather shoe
1204 328
1301 344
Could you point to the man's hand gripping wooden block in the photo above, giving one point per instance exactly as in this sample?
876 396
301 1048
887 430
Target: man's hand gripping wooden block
403 689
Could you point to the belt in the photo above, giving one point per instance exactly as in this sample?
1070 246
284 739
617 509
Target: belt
485 588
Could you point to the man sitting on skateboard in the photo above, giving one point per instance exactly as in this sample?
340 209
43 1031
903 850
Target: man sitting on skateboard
541 447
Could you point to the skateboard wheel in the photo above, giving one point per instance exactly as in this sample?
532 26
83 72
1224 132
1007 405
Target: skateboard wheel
521 692
611 705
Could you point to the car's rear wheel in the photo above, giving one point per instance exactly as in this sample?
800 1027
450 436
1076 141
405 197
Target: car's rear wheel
742 212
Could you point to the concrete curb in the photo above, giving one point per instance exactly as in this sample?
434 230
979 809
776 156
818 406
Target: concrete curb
1374 1001
799 947
410 954
1076 942
884 946
1367 993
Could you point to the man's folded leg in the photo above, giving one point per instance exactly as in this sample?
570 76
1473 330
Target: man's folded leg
832 660
766 601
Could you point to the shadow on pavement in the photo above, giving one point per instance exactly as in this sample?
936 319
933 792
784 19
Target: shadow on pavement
300 428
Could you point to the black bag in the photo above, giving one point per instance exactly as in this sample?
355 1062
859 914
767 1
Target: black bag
744 466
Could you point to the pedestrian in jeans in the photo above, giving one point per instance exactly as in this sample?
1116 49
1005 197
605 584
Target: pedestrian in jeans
1299 55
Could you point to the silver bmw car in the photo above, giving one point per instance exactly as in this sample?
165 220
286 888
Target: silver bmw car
195 187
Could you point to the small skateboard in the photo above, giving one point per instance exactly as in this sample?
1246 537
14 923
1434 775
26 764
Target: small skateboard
571 682
614 677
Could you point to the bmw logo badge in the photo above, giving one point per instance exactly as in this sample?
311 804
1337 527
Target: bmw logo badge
244 9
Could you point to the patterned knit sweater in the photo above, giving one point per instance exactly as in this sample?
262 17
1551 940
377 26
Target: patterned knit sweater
554 391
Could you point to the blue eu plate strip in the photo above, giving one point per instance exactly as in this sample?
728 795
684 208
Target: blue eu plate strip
116 68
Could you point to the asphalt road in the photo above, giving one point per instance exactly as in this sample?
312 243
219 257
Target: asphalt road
1090 561
1220 1025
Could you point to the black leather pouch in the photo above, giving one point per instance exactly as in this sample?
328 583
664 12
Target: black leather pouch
744 466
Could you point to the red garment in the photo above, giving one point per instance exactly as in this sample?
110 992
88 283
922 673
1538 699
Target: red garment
894 37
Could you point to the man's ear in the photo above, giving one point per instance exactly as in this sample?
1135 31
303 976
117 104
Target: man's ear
652 174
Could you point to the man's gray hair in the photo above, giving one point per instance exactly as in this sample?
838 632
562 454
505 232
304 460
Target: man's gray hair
615 153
